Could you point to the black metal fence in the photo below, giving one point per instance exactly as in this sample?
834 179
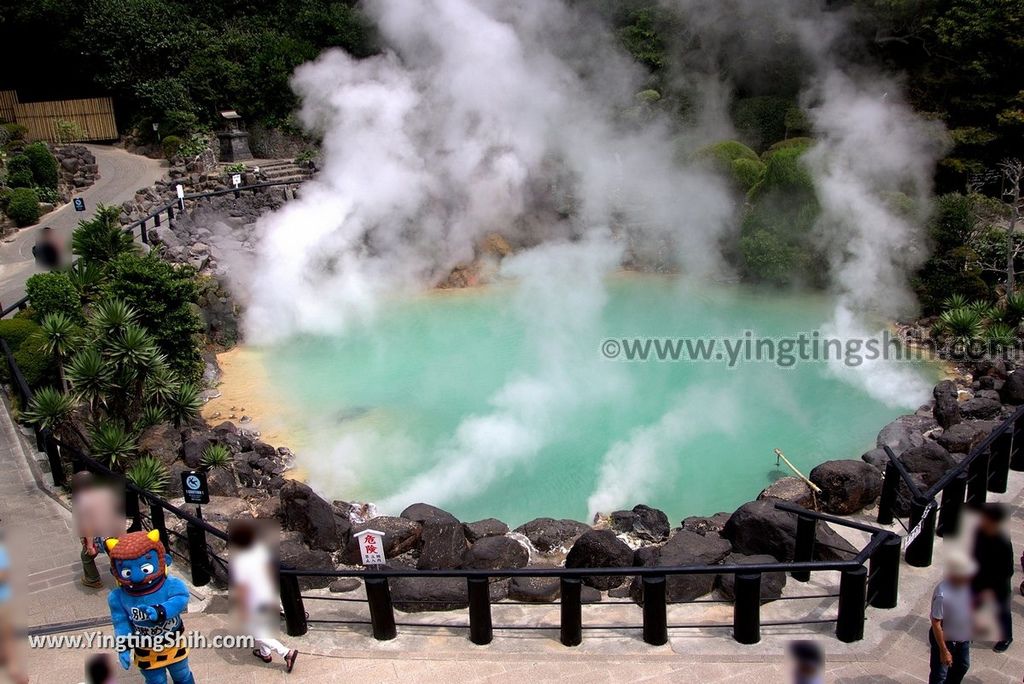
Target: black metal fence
869 578
937 510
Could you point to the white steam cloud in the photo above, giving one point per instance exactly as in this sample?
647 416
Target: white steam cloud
520 117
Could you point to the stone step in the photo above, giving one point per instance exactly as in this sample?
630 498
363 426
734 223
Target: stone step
281 172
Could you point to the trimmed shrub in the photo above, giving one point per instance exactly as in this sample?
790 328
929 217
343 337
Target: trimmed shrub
36 365
53 293
747 172
761 120
43 163
802 143
725 152
23 207
15 131
172 144
16 330
20 179
768 258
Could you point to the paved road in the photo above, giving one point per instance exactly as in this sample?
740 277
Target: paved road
121 175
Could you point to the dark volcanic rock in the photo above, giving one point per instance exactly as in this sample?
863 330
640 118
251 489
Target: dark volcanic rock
400 535
961 438
702 525
162 442
296 555
1012 391
846 485
548 534
791 489
303 510
684 548
600 549
443 545
419 594
192 450
490 527
772 583
534 589
758 527
947 408
495 553
424 513
221 482
905 432
344 585
643 521
876 457
980 408
929 460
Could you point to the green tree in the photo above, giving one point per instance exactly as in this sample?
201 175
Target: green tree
101 239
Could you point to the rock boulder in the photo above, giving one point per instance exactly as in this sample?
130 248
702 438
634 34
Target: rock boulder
304 510
758 527
846 485
600 549
549 535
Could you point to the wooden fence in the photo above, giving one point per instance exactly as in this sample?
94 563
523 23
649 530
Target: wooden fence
93 116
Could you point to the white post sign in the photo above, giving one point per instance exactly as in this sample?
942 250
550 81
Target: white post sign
236 179
371 547
181 195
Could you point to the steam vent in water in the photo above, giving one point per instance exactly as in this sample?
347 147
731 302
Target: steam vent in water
512 341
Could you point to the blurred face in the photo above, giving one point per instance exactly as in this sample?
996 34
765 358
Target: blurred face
989 525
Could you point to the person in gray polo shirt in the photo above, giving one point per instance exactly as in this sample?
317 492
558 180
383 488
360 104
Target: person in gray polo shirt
952 618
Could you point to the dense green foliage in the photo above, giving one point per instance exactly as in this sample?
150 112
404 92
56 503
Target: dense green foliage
176 61
52 293
23 206
42 164
101 239
164 298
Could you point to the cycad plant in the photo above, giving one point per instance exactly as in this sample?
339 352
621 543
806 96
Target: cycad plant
1013 308
60 337
100 239
148 474
51 409
954 301
90 378
963 326
216 456
184 404
87 279
113 444
1000 336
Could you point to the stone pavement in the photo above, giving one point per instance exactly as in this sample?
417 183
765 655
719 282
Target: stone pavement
121 174
894 648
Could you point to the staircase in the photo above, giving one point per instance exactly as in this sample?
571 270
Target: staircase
279 170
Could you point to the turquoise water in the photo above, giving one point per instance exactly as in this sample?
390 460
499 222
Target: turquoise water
498 402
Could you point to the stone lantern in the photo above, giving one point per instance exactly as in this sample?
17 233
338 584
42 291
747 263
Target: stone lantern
234 140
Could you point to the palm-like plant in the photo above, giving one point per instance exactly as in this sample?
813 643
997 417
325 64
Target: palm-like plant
110 317
50 409
983 309
60 334
90 378
1001 336
113 444
100 239
151 415
87 279
964 325
184 404
161 385
148 474
1014 308
955 301
216 456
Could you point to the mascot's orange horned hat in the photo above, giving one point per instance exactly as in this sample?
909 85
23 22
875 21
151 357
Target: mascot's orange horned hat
135 545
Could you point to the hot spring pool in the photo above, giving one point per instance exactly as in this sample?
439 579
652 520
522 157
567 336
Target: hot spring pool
498 403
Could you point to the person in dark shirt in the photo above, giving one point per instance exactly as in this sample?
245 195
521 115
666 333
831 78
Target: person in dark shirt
994 555
46 250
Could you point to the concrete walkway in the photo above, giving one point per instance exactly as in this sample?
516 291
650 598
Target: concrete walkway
121 175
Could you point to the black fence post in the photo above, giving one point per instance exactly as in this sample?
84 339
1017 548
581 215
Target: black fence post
142 233
890 490
572 611
999 464
806 530
291 601
197 557
952 506
40 443
655 613
53 457
850 625
884 577
1017 445
977 479
382 614
156 514
919 549
481 630
170 212
131 509
746 614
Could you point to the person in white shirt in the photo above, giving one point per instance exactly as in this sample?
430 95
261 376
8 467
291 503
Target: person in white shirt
253 586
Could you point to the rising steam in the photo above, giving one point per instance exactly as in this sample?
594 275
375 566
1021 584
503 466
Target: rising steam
520 117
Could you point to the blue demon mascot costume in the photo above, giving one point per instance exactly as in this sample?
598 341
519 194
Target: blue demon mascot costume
148 603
